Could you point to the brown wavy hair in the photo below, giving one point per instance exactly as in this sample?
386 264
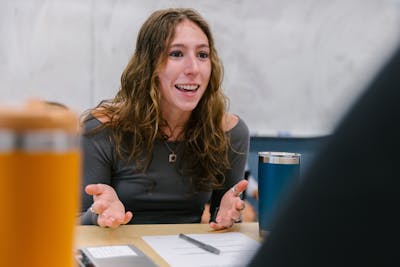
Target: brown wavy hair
135 113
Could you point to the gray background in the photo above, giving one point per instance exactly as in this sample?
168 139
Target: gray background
291 67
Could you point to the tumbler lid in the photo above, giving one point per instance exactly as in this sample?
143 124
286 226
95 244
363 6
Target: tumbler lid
38 115
279 157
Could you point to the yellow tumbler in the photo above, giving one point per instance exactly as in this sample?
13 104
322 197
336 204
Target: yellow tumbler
39 182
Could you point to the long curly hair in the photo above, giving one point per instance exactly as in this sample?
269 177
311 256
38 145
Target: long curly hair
135 114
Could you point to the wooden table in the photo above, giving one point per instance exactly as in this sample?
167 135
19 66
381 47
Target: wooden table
131 234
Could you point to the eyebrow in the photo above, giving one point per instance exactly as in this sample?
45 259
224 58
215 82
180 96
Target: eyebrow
182 45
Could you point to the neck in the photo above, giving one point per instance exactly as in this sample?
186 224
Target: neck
175 125
173 134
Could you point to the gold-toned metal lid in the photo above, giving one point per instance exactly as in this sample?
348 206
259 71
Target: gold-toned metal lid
38 115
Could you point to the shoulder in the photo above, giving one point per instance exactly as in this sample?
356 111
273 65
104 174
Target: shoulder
93 121
90 123
239 136
229 121
232 123
94 117
100 115
236 128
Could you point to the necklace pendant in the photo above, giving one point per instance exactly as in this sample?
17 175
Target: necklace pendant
172 157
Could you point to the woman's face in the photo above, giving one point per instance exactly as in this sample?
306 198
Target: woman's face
185 76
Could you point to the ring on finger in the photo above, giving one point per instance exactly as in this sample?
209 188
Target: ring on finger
235 191
92 210
238 219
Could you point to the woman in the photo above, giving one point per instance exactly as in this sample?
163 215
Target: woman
165 145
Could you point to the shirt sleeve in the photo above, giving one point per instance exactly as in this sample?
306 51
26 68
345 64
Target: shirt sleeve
238 153
97 155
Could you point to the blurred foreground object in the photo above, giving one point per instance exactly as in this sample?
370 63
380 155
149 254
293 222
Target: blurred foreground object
344 212
39 176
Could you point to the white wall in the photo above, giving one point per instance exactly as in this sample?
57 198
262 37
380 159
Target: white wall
290 65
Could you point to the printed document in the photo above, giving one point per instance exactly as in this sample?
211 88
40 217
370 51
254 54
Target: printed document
236 249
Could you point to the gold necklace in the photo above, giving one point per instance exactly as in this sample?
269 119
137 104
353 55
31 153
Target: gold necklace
172 156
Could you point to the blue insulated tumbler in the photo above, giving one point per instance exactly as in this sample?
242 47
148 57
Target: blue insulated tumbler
277 172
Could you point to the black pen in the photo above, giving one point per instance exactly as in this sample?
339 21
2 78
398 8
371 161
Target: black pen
200 244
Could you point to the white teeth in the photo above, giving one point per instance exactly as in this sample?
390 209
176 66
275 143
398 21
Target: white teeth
187 87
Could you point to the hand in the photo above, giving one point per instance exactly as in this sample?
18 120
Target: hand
230 207
107 205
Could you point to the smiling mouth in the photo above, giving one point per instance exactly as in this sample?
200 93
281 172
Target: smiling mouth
187 87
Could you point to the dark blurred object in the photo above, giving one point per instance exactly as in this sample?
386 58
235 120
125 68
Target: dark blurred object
344 213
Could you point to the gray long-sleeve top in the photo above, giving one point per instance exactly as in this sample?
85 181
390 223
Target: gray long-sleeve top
161 194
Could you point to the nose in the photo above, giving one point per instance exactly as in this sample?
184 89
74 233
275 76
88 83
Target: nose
191 65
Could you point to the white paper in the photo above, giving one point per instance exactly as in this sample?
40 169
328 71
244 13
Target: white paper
236 249
111 251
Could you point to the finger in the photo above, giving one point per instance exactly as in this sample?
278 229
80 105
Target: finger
226 223
114 222
235 215
114 217
228 219
106 220
101 221
128 217
217 226
111 222
121 217
240 205
241 187
98 207
94 189
214 226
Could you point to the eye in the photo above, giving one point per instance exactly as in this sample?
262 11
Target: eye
203 55
176 54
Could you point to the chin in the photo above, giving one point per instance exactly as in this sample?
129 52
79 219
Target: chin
188 108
